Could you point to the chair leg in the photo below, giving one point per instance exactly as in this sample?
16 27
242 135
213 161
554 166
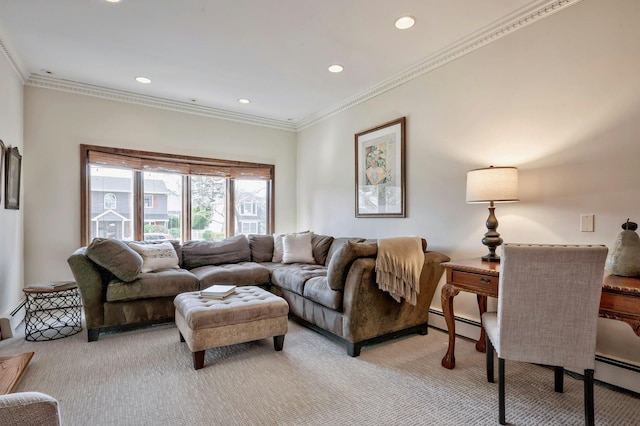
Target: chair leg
559 379
589 416
501 397
489 360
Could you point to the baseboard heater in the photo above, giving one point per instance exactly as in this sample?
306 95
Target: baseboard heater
10 321
610 361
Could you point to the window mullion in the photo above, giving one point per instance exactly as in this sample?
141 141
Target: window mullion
231 211
186 208
138 205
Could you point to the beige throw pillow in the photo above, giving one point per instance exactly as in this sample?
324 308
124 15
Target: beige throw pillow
156 256
278 248
296 248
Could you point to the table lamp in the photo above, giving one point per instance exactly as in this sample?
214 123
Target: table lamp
492 185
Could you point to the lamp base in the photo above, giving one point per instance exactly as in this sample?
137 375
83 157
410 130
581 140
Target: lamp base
491 258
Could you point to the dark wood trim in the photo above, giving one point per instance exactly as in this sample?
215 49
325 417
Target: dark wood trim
138 220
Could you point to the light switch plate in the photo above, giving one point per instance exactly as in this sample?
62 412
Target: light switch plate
586 222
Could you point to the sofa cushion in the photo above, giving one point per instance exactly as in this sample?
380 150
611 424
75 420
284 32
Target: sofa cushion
343 258
337 244
297 248
240 274
163 283
156 256
261 247
320 245
293 276
116 257
200 253
317 290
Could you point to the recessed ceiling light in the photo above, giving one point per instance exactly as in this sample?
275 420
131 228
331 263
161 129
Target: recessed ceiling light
113 1
336 68
244 101
143 80
405 22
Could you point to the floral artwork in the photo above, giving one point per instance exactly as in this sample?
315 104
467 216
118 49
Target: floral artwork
380 171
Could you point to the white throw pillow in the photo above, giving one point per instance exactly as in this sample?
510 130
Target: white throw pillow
156 256
277 245
297 248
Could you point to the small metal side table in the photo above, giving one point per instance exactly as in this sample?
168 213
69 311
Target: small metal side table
53 310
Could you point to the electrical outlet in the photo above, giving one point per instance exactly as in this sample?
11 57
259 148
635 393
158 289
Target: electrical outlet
586 222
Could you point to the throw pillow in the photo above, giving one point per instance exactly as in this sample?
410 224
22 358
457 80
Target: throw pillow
343 258
156 256
296 248
277 246
116 257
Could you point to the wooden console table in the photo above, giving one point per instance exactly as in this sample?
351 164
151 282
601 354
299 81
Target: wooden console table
620 298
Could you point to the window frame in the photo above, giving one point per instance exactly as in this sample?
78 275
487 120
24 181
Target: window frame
140 161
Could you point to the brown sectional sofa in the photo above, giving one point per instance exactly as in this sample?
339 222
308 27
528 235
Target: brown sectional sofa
334 291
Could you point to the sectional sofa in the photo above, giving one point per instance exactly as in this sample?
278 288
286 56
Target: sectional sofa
329 283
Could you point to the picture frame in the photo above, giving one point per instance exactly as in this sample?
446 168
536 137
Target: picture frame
13 165
2 153
380 170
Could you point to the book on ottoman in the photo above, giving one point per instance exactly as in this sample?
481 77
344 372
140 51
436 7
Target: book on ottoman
217 291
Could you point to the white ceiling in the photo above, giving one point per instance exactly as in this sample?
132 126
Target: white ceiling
209 53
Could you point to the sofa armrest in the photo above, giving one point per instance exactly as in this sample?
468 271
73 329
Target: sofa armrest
29 408
91 283
370 312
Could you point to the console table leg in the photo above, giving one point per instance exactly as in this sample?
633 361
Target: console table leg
481 344
448 293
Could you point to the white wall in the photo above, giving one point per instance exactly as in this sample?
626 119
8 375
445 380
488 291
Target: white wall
559 99
11 240
56 123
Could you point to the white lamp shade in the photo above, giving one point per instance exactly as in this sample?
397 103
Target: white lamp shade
497 184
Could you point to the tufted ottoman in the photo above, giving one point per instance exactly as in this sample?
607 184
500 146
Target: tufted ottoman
251 313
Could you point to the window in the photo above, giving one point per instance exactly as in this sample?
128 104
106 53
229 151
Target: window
110 201
136 195
110 209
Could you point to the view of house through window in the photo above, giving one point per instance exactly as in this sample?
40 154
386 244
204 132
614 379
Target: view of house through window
140 195
111 203
162 206
251 206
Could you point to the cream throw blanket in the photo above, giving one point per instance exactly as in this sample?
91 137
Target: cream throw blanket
398 267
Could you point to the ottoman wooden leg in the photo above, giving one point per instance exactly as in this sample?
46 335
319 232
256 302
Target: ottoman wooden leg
198 360
278 342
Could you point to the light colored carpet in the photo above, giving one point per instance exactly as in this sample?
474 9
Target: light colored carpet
146 377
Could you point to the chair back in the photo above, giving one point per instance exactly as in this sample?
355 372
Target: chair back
549 302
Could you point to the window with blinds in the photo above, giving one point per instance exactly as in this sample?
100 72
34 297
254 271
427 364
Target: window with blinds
156 196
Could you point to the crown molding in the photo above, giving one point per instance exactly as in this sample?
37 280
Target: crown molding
12 57
505 26
45 82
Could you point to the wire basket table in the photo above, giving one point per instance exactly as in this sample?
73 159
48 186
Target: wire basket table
53 311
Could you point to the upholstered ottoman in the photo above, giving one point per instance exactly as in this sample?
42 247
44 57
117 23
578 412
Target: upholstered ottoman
251 313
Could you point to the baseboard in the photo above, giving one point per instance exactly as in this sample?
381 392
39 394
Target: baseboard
608 370
10 321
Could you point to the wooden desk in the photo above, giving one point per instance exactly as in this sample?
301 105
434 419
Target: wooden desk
620 298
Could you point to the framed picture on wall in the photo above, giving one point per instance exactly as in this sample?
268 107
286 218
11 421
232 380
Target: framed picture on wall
2 151
13 163
380 170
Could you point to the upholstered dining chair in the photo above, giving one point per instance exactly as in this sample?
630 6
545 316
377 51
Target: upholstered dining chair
549 297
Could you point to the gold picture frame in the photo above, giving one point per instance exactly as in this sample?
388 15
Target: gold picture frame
380 170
